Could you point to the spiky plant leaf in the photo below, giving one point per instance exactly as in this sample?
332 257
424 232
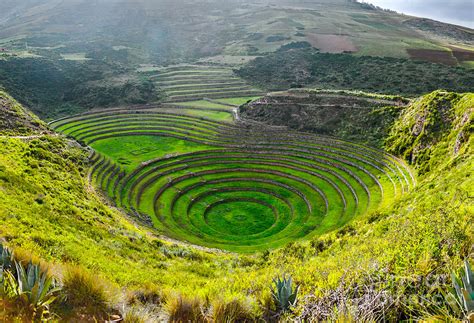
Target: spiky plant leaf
283 294
463 287
469 284
6 257
33 287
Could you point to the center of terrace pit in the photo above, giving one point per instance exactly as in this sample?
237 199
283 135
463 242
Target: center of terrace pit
240 217
200 176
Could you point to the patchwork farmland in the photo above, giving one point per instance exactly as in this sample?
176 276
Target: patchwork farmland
194 82
198 174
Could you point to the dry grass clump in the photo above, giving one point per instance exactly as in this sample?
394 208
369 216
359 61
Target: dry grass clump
147 295
85 293
183 310
233 311
140 314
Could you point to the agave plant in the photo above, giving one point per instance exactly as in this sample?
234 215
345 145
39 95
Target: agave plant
32 287
283 294
6 258
464 289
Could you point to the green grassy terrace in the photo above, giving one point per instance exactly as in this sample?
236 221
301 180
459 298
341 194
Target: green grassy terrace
194 82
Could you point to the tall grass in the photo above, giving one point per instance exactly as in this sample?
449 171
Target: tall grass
140 314
85 293
183 310
233 311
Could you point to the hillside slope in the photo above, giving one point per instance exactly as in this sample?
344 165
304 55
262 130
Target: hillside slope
354 116
307 67
164 31
391 264
48 209
17 121
440 117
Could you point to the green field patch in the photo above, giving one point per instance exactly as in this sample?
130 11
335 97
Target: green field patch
202 85
239 217
237 101
123 150
213 115
209 90
468 64
80 57
204 104
143 151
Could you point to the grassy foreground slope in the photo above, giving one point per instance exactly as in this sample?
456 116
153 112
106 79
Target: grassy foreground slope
48 209
391 264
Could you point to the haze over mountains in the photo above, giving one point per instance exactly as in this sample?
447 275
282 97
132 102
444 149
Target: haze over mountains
164 30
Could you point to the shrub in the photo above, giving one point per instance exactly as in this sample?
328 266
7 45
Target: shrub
6 259
147 295
29 288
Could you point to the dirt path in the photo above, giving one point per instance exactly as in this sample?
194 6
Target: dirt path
235 113
25 137
221 103
335 96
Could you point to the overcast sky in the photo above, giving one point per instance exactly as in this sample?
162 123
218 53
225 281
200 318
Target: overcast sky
460 12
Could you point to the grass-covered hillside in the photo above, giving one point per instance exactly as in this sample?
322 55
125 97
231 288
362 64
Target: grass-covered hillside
167 31
53 88
435 132
390 264
15 120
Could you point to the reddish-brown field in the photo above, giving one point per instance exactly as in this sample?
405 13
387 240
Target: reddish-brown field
463 55
435 56
331 43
